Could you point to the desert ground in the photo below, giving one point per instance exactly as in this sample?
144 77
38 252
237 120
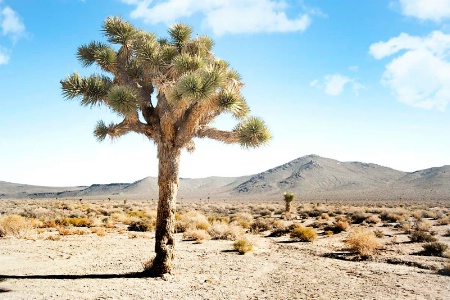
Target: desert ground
78 249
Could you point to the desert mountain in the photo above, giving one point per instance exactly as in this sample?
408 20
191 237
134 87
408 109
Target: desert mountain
310 177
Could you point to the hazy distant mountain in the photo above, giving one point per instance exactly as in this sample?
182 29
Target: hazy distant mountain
14 190
310 177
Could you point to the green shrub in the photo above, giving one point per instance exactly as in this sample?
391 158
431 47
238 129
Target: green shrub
303 234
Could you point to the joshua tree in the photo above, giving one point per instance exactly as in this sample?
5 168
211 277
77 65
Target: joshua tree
288 198
169 90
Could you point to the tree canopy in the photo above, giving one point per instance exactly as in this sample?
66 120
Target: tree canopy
191 85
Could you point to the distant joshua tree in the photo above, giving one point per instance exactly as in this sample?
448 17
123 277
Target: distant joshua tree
192 87
288 198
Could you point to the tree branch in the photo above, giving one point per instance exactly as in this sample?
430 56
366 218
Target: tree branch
227 137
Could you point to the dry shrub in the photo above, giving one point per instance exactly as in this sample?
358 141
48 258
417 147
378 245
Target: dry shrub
242 219
122 218
98 231
423 225
393 216
147 265
243 246
443 221
279 224
212 219
435 249
324 216
191 220
141 225
373 219
15 225
358 217
260 225
364 243
421 236
446 269
76 222
53 237
225 231
378 233
303 234
337 227
198 235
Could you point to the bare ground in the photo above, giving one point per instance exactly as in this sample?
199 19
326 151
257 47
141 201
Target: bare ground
104 267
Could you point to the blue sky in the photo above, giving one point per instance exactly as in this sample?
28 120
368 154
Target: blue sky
351 80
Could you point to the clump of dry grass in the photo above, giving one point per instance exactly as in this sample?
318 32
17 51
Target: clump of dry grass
303 234
337 226
74 221
243 246
225 231
242 219
373 219
423 225
15 225
198 235
191 220
364 243
261 224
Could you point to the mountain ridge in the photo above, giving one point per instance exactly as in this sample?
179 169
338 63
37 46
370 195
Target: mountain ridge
310 177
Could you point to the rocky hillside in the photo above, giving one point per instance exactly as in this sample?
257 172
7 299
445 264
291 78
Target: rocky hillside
310 177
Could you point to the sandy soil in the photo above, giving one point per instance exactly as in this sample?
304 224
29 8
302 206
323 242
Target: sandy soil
95 267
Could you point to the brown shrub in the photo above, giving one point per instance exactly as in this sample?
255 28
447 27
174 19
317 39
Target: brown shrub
198 235
243 246
373 219
338 227
303 234
15 225
225 231
364 243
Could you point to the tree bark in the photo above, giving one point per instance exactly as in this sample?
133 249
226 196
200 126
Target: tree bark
288 206
169 162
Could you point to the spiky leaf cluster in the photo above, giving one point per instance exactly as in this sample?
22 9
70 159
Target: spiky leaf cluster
92 89
253 132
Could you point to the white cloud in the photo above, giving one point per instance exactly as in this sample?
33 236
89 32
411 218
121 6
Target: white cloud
435 10
10 23
334 84
354 68
4 56
419 73
224 16
12 27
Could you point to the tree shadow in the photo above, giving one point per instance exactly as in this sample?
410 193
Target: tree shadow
82 276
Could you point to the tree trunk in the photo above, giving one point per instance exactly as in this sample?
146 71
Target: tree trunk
169 162
288 206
